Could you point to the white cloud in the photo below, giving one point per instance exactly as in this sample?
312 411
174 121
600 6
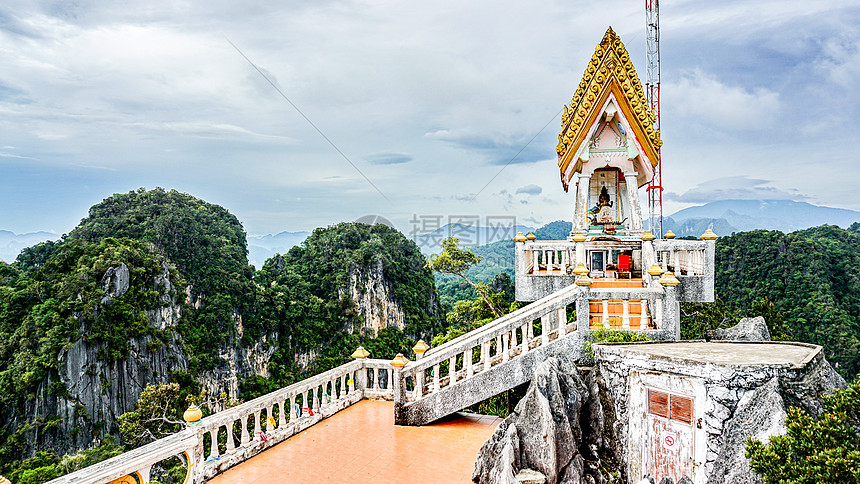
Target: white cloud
159 95
734 188
701 98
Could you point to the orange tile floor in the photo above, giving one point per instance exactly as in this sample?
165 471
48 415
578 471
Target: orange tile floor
361 444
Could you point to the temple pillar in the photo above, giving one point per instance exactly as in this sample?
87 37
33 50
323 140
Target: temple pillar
633 201
582 187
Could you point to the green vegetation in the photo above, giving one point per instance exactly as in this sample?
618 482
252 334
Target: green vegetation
46 465
189 255
204 241
613 336
698 319
303 296
812 278
814 450
456 261
45 310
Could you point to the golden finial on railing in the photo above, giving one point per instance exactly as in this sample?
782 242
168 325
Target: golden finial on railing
360 353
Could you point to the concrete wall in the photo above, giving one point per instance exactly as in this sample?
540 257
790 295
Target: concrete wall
716 388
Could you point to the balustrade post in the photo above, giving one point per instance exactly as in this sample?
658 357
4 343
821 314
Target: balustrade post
625 314
583 316
467 362
561 315
316 397
257 428
452 371
524 331
505 338
244 431
485 355
143 473
605 316
544 329
643 314
213 445
419 384
282 415
231 446
436 369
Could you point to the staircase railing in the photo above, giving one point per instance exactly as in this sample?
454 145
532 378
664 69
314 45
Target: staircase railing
224 439
516 334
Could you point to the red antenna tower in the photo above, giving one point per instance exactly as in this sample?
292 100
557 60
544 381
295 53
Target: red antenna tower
652 93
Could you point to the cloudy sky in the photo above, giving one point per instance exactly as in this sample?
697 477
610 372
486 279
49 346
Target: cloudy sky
401 109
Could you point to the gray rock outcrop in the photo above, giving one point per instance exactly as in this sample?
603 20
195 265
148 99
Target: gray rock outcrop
115 282
760 414
374 298
551 440
748 329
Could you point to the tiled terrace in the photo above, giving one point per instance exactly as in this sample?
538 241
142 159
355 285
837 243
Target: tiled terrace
361 444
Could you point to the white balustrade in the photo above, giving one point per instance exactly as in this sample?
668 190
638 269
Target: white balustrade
273 416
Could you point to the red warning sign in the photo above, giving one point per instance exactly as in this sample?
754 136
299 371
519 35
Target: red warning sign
669 441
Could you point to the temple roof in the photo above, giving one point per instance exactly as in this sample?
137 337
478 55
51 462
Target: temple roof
610 74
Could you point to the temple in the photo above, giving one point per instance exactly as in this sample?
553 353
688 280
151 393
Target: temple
670 404
608 149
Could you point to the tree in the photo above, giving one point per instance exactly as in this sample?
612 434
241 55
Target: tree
456 261
826 449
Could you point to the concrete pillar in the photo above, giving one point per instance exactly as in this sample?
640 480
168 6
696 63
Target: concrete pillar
582 188
580 254
633 197
399 397
582 310
649 258
671 312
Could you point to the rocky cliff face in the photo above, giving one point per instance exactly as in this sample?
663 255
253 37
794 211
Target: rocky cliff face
554 433
373 297
80 402
599 428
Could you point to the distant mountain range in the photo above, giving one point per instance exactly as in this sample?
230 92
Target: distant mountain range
723 217
727 216
11 243
469 235
262 247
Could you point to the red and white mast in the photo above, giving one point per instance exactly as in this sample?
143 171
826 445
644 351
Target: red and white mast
652 93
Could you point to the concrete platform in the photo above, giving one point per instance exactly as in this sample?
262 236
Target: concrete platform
362 444
730 353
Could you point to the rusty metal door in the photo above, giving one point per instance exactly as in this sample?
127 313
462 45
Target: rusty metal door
670 435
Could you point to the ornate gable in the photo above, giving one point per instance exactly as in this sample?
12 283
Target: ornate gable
609 77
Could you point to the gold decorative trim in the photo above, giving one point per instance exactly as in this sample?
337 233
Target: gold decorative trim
609 71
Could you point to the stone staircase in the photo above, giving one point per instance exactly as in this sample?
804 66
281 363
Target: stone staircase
503 354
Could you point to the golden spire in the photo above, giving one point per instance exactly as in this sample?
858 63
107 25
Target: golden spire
609 72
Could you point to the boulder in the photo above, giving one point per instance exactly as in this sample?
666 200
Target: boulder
748 329
760 414
549 415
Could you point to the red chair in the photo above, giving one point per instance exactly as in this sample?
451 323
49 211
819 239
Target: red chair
624 263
